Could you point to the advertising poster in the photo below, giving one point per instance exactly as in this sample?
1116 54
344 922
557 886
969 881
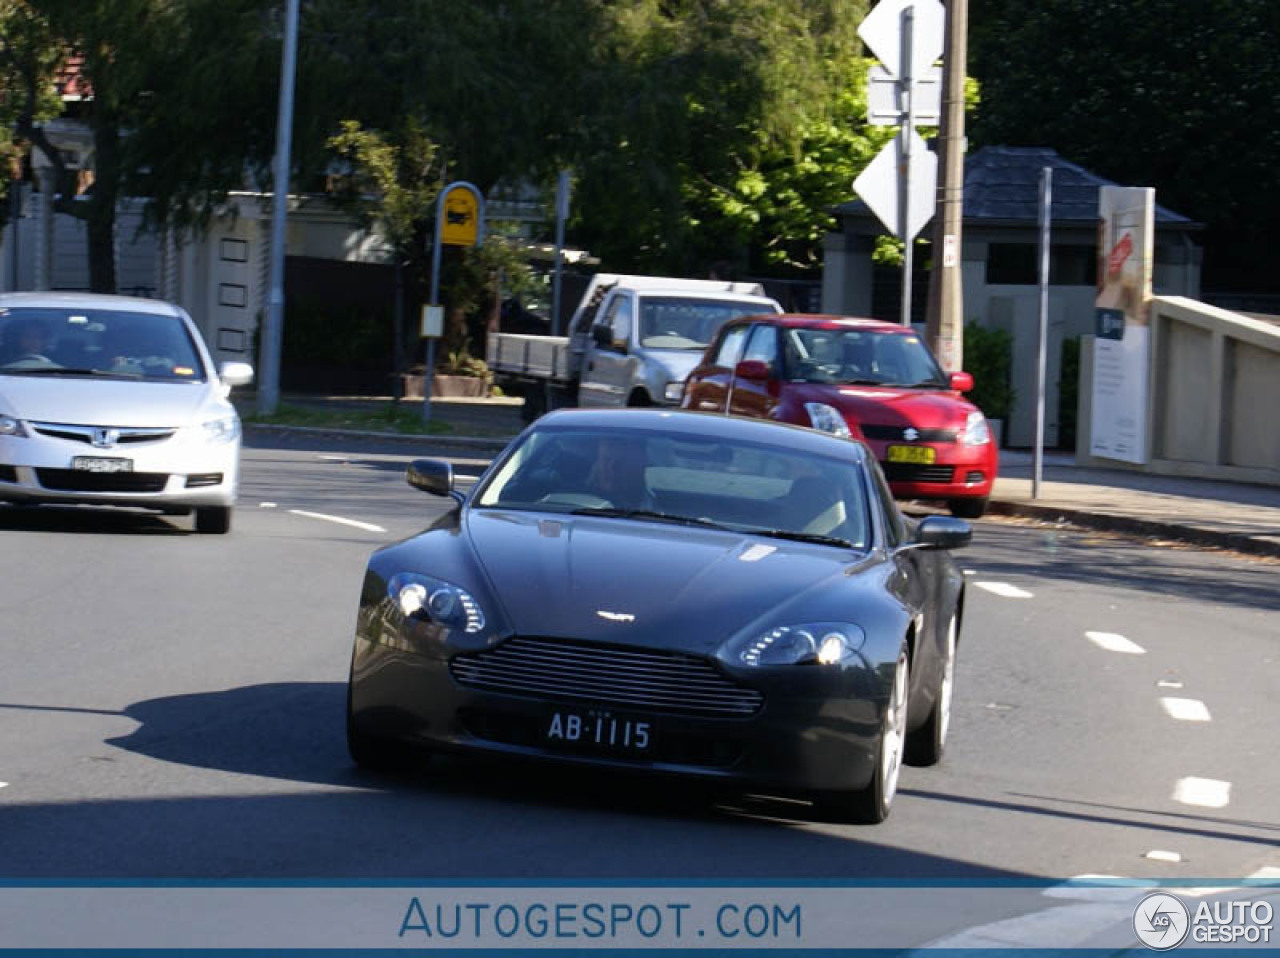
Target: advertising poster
1126 238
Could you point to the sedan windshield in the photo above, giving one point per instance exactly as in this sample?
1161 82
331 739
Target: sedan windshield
861 356
65 341
670 322
678 480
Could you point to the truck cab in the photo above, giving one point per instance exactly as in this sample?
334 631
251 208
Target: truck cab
634 339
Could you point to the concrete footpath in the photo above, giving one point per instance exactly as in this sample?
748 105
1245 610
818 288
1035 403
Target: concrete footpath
1227 515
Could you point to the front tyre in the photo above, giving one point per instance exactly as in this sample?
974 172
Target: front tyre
927 743
215 520
870 805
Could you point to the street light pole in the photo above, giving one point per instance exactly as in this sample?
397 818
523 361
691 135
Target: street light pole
945 328
273 331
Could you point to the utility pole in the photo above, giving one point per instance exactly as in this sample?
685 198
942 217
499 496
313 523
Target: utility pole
945 328
273 333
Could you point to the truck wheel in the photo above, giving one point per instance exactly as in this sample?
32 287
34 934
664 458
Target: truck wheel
639 398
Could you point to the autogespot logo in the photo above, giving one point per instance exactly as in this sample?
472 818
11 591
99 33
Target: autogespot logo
1161 921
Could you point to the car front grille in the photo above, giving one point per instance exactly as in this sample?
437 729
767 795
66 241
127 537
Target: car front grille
106 436
913 472
75 480
897 433
565 670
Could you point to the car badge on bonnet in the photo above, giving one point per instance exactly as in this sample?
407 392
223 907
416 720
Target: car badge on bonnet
106 438
910 433
616 616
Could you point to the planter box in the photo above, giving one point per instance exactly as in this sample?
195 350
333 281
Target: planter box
443 387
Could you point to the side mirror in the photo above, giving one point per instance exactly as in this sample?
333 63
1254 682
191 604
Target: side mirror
962 382
942 532
431 475
602 336
235 374
752 369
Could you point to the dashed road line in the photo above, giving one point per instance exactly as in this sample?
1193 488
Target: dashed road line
1112 642
1185 710
1156 855
367 526
1166 684
1004 589
1204 792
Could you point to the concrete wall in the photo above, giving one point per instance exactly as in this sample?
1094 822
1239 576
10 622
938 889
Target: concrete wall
1215 389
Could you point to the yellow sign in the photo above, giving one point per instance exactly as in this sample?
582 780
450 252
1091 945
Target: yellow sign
461 218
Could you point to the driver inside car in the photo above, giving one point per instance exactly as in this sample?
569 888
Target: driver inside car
618 474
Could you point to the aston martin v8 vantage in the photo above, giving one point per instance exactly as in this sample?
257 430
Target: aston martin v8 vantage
677 593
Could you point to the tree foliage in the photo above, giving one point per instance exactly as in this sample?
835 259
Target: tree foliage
1184 97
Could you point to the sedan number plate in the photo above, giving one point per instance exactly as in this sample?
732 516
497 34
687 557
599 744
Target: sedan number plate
917 454
94 464
598 730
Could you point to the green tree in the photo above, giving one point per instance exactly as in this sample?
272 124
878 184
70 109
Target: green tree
1184 97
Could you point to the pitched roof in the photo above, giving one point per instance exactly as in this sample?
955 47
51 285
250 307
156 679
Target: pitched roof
1002 185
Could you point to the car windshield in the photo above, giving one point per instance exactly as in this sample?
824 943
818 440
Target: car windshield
66 341
853 356
671 322
676 478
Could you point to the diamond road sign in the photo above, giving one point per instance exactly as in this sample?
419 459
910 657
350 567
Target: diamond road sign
881 31
880 185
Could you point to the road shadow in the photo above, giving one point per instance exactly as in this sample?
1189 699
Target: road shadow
91 520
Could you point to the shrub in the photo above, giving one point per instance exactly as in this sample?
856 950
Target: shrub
988 355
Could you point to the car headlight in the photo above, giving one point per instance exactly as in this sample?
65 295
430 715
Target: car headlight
827 419
226 429
976 431
674 392
814 643
12 427
434 600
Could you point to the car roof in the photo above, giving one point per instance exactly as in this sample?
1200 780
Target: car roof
100 301
824 321
689 424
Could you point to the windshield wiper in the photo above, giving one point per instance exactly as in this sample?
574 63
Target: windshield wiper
611 513
802 537
67 371
927 384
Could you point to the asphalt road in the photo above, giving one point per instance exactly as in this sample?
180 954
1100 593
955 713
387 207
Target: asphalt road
171 705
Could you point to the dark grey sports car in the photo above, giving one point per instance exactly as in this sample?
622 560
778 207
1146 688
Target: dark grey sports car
735 600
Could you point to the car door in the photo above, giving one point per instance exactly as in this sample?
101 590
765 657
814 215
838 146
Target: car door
708 385
606 374
758 398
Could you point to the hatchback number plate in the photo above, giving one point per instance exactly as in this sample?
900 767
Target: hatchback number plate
917 454
95 464
598 730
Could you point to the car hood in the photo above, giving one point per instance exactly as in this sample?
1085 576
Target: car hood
648 584
891 405
102 402
674 365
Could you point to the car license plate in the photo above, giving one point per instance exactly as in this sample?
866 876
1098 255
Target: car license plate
94 464
598 730
917 454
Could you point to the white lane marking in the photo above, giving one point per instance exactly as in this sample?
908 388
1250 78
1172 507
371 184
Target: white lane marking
970 571
1115 643
4 784
367 526
1185 710
1166 684
1205 792
266 505
1158 856
1082 888
1004 589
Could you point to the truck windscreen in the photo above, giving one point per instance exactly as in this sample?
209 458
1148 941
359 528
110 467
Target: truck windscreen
672 322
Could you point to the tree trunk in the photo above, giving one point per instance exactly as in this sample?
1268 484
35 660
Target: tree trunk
102 203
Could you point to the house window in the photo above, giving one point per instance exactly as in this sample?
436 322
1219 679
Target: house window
1018 264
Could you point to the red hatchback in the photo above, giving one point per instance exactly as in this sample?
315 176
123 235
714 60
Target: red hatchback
862 379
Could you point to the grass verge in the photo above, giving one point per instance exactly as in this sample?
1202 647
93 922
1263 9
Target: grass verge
384 417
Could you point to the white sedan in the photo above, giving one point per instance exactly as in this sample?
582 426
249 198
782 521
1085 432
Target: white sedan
115 401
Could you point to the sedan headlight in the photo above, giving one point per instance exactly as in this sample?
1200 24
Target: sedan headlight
976 431
674 392
12 427
827 419
226 429
434 600
814 643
